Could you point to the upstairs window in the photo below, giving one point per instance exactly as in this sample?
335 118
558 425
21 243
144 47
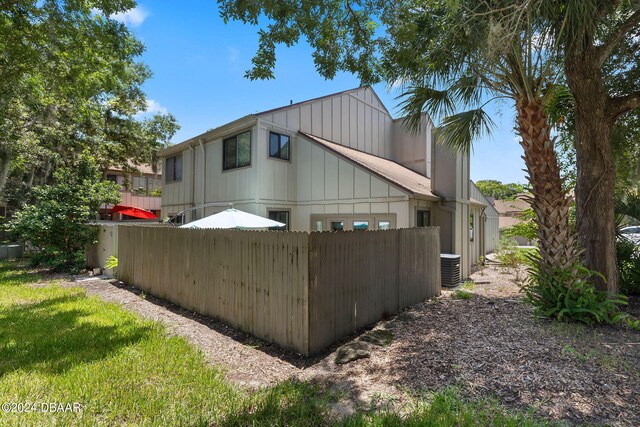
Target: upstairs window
423 219
236 151
173 169
279 146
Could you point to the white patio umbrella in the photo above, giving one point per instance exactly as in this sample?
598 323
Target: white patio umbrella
233 218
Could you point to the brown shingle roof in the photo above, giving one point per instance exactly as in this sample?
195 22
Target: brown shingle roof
504 206
508 221
145 169
390 171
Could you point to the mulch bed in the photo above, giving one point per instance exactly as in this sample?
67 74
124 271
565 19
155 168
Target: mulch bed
489 345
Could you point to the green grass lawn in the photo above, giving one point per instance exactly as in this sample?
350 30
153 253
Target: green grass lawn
60 345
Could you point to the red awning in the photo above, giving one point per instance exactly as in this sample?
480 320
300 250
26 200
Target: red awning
133 211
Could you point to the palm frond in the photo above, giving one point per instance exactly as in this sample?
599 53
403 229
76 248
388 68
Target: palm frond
417 100
460 130
629 206
468 89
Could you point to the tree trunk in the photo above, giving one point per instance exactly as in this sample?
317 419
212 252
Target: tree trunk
549 201
595 184
5 164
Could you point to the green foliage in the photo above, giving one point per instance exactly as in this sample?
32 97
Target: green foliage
568 294
468 285
111 263
527 228
628 259
70 83
447 408
498 190
460 294
627 209
511 255
56 225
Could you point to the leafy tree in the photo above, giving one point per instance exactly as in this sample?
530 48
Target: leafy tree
69 82
498 190
451 58
56 225
527 228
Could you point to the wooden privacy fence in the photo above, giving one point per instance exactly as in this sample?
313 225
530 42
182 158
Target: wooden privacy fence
302 291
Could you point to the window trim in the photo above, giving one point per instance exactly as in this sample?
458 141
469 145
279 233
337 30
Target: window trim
288 211
224 141
418 211
348 219
279 146
165 171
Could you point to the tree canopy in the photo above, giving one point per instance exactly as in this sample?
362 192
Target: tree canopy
498 190
70 83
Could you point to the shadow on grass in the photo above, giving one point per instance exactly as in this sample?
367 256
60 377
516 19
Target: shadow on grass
57 334
17 272
287 403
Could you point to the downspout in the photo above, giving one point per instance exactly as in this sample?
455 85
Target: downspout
204 171
193 178
483 221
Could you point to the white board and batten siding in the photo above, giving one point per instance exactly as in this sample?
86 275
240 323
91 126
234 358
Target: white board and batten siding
355 119
176 196
319 182
492 227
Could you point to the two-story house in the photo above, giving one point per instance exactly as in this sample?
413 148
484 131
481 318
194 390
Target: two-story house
339 162
140 189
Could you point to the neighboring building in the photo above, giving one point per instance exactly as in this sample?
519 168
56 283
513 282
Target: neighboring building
510 212
487 215
141 190
339 162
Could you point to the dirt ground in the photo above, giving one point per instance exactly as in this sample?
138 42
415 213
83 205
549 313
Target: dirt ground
488 345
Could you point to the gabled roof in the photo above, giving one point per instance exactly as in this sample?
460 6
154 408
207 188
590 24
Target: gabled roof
331 95
388 170
227 128
144 169
517 205
249 119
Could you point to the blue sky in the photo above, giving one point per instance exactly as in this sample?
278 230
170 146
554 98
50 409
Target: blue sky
198 64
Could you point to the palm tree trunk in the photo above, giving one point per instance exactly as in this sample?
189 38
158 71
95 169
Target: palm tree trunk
549 199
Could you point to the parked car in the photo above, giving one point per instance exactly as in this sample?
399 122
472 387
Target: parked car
631 233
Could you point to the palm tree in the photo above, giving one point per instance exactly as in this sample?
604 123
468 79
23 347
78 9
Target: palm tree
476 53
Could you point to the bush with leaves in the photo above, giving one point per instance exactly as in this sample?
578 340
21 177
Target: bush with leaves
579 301
628 258
57 224
527 228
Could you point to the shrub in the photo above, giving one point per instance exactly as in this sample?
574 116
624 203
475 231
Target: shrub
628 267
510 254
527 228
507 252
57 224
567 294
460 294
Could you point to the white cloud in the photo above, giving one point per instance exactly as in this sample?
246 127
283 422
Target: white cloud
153 107
132 17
